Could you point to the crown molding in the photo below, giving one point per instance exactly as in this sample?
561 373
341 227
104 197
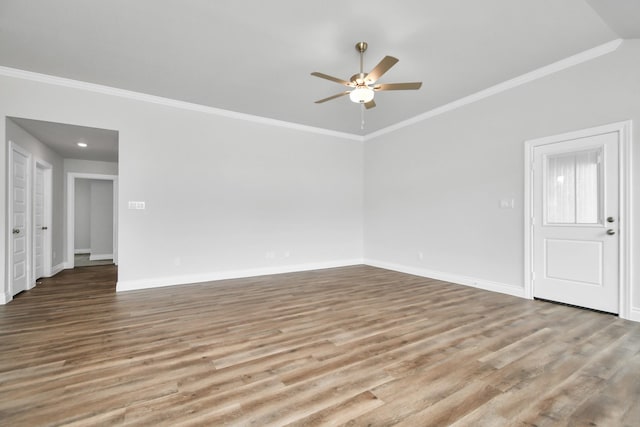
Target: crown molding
168 102
539 73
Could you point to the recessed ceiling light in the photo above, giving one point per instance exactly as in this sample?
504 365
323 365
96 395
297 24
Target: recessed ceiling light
82 144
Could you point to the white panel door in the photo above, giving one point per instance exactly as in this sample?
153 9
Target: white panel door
19 250
39 223
575 224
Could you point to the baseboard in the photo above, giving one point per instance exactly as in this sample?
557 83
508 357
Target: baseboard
57 269
100 257
486 285
132 285
82 251
634 314
5 298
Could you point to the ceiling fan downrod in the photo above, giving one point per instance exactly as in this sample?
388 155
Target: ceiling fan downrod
361 47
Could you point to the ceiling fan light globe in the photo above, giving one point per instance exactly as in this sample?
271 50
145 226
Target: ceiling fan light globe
361 95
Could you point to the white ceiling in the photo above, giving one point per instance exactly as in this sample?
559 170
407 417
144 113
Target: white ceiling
255 56
102 144
622 16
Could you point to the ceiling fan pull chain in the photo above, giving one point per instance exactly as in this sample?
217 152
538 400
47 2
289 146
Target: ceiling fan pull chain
361 116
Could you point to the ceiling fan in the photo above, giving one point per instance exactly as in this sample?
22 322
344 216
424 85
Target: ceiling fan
363 84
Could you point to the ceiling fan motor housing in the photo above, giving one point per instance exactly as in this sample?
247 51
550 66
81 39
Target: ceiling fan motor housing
359 78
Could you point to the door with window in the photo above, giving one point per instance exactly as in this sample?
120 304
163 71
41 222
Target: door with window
575 222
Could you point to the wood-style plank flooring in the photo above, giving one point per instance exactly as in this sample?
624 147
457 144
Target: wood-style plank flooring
356 346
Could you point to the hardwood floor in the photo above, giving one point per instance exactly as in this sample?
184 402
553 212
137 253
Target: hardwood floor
358 346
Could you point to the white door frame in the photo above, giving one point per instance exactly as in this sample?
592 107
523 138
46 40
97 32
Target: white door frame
47 169
71 202
27 229
624 158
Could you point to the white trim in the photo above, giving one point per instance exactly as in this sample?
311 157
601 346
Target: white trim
57 269
473 282
624 130
634 314
555 67
528 214
132 285
539 73
71 189
5 298
100 257
626 216
82 251
137 96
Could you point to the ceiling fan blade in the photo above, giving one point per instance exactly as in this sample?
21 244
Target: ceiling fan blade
398 86
382 67
370 104
338 95
333 79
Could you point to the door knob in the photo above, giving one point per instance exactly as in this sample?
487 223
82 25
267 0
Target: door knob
610 219
611 232
16 231
44 228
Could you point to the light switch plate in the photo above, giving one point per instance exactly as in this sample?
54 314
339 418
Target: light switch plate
507 203
136 205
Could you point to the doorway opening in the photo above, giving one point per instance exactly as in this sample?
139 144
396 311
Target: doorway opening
100 195
41 156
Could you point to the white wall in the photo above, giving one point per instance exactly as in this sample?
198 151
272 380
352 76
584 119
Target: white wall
224 196
228 196
40 152
90 166
82 216
101 211
435 187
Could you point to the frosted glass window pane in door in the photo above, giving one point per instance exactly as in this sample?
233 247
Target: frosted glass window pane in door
561 204
573 188
587 187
